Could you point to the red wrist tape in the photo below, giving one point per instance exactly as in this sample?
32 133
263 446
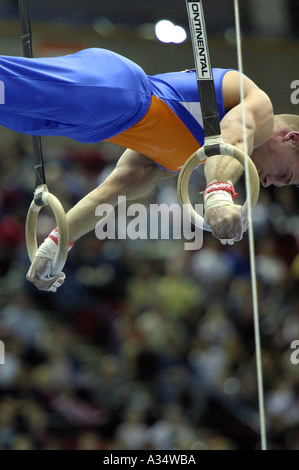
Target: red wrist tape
54 235
220 186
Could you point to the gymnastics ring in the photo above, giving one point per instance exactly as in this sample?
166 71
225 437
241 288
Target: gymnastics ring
192 162
42 197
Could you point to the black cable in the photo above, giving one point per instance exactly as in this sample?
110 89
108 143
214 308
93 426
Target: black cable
28 52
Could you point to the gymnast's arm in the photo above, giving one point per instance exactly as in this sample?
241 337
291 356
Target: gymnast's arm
134 176
225 221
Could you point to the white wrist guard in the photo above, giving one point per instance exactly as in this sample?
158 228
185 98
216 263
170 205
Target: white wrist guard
219 194
49 247
217 199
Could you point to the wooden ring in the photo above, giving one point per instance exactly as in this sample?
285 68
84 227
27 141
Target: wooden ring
200 156
48 199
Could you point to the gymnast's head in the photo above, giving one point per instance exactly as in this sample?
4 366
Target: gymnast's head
277 161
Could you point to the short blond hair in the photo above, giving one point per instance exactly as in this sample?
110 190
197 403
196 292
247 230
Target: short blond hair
289 121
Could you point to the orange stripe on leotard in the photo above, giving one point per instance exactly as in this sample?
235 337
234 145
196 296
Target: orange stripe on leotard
161 136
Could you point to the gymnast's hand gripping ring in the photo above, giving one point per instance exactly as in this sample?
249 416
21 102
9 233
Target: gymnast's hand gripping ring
42 197
199 156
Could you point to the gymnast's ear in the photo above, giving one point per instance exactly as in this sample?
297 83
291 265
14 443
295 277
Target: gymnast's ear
293 136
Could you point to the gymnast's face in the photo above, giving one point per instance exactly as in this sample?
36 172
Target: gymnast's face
276 161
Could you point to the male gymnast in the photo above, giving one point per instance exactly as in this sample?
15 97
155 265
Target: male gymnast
97 95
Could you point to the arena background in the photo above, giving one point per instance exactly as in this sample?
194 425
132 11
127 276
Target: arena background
148 346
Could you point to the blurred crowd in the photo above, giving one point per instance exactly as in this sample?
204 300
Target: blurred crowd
254 14
146 345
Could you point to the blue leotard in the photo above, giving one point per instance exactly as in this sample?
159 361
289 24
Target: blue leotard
95 95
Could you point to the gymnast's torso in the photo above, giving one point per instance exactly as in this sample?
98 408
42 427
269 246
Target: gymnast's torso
172 129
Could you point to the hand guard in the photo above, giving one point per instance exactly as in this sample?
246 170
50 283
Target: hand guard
49 247
47 250
219 194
